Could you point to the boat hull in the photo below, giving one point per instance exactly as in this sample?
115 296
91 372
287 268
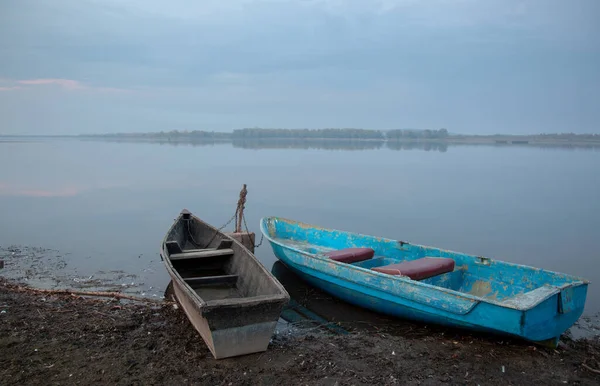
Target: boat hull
229 297
231 340
542 323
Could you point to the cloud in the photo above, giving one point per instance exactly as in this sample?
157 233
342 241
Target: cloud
66 84
12 190
469 65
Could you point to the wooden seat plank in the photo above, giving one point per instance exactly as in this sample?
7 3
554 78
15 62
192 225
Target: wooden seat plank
195 254
207 280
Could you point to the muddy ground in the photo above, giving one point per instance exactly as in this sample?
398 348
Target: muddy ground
62 339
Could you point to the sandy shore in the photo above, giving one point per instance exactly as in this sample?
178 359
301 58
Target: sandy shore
63 339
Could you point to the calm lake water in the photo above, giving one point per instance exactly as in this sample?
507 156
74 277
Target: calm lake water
102 206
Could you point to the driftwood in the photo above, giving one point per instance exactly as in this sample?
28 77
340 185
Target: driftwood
590 369
115 295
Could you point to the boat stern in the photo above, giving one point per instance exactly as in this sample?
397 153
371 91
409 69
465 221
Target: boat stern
548 320
243 328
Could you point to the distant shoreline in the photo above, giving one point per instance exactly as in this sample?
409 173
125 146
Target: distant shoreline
463 140
331 135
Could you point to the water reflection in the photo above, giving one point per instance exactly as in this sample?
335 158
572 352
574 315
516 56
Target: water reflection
442 147
108 204
172 142
344 144
323 144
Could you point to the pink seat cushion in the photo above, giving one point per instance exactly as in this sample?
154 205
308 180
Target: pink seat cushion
351 255
419 269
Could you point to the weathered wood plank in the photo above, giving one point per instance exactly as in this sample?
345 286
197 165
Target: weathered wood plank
201 253
184 251
206 280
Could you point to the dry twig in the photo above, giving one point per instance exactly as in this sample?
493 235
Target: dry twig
590 369
115 295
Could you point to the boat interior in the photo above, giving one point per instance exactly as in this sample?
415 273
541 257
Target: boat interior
213 265
478 276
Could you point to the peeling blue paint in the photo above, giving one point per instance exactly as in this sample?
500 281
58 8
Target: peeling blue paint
481 293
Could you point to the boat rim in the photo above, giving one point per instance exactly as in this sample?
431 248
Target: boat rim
577 281
249 300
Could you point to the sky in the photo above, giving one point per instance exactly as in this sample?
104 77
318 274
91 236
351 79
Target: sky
470 66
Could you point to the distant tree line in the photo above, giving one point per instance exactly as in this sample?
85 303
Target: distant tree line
417 134
196 134
263 133
258 133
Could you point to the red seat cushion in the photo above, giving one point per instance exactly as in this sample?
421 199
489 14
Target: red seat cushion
351 255
419 269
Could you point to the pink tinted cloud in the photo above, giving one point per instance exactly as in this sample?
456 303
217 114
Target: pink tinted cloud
47 193
11 190
67 84
67 189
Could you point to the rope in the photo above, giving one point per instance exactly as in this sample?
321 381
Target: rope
239 219
242 219
248 232
221 228
191 235
240 209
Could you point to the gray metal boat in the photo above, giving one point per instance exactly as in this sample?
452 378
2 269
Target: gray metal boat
231 299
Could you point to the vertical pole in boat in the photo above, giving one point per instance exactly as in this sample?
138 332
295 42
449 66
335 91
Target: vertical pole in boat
245 238
240 209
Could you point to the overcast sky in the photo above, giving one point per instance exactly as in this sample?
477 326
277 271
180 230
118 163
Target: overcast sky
471 66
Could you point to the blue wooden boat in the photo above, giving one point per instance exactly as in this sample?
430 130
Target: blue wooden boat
429 284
